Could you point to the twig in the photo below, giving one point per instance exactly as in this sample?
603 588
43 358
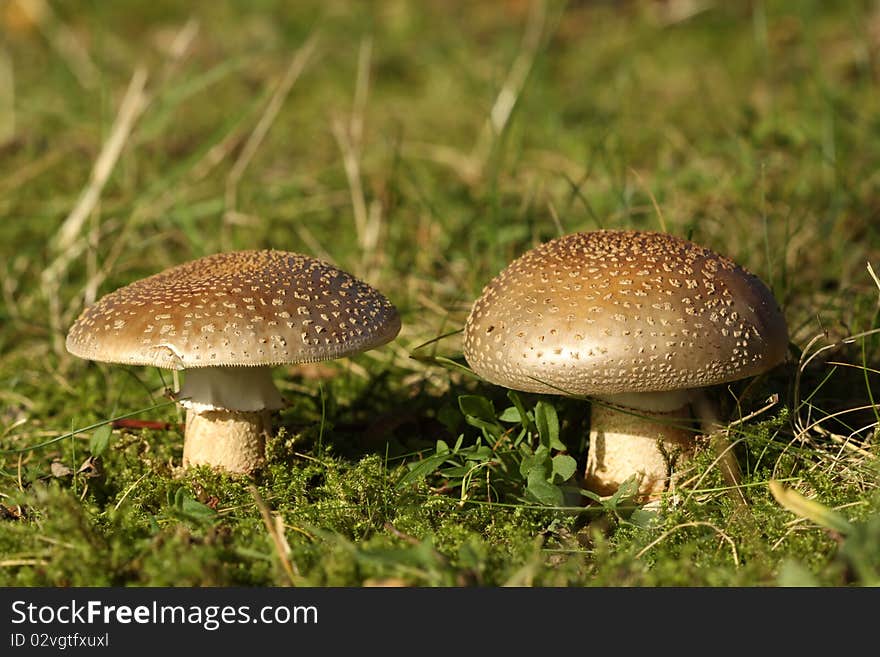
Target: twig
845 442
771 402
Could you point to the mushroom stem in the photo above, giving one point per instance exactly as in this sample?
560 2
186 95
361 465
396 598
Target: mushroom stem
647 435
233 441
228 416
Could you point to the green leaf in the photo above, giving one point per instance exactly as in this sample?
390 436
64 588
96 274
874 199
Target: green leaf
447 363
478 453
421 469
491 428
537 462
194 509
563 467
627 491
524 418
548 425
184 507
542 490
456 471
100 439
644 518
479 412
449 417
590 495
477 406
510 414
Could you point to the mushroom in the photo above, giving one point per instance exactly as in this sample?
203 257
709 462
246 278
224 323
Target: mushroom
641 322
227 319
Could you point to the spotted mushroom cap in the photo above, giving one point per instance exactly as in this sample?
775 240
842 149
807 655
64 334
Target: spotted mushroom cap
246 308
612 311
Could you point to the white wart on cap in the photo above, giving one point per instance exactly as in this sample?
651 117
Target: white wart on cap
228 318
616 314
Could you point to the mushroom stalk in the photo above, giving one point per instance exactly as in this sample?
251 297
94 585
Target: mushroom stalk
228 416
646 434
234 441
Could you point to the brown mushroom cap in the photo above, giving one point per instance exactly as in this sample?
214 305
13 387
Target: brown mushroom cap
246 308
611 311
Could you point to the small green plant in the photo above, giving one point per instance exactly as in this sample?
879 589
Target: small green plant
183 507
518 454
100 440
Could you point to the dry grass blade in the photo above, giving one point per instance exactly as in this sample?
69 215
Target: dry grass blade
810 509
37 166
128 491
7 97
68 242
469 166
876 280
514 83
349 139
291 75
650 194
315 247
10 563
803 425
275 527
683 525
361 91
554 215
133 104
351 163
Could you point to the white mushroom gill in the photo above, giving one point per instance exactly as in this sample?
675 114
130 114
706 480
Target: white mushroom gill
229 388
